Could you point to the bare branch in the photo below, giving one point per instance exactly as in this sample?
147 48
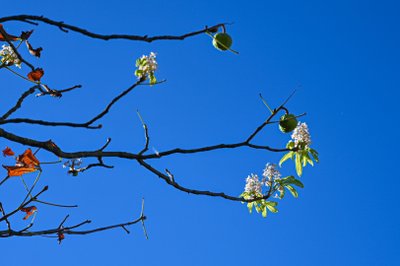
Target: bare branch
65 27
69 124
173 183
108 107
24 204
55 93
4 214
68 230
19 102
55 204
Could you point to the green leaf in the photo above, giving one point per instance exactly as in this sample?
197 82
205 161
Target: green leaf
298 183
271 203
308 158
290 145
281 194
314 154
272 209
290 180
299 167
285 157
293 191
271 206
286 180
152 78
250 206
138 73
303 159
264 212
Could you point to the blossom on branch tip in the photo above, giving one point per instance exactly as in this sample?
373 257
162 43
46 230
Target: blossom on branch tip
74 166
253 184
301 136
9 57
146 66
271 173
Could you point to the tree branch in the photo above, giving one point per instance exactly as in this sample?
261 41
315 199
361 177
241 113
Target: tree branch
87 124
19 102
65 27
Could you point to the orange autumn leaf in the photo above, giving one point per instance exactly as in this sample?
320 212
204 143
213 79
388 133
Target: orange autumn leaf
35 52
36 74
28 159
9 36
29 211
19 170
8 152
25 163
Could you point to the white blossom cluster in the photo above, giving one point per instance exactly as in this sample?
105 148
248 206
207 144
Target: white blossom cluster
147 65
73 166
270 173
9 56
253 184
301 135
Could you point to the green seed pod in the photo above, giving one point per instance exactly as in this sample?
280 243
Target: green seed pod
222 41
287 123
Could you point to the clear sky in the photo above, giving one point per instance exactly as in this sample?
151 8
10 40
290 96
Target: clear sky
343 56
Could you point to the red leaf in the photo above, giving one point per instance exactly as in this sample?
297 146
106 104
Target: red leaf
19 170
8 152
35 52
36 75
29 211
9 36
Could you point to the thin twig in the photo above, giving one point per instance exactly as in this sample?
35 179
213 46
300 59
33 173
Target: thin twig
194 191
143 218
19 102
146 134
24 205
4 214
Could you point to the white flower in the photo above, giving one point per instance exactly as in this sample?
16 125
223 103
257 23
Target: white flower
9 56
73 164
301 135
146 66
253 184
270 173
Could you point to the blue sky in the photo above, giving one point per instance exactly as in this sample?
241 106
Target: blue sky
342 56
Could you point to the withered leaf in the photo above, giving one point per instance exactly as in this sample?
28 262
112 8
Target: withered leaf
8 152
35 52
36 74
29 211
